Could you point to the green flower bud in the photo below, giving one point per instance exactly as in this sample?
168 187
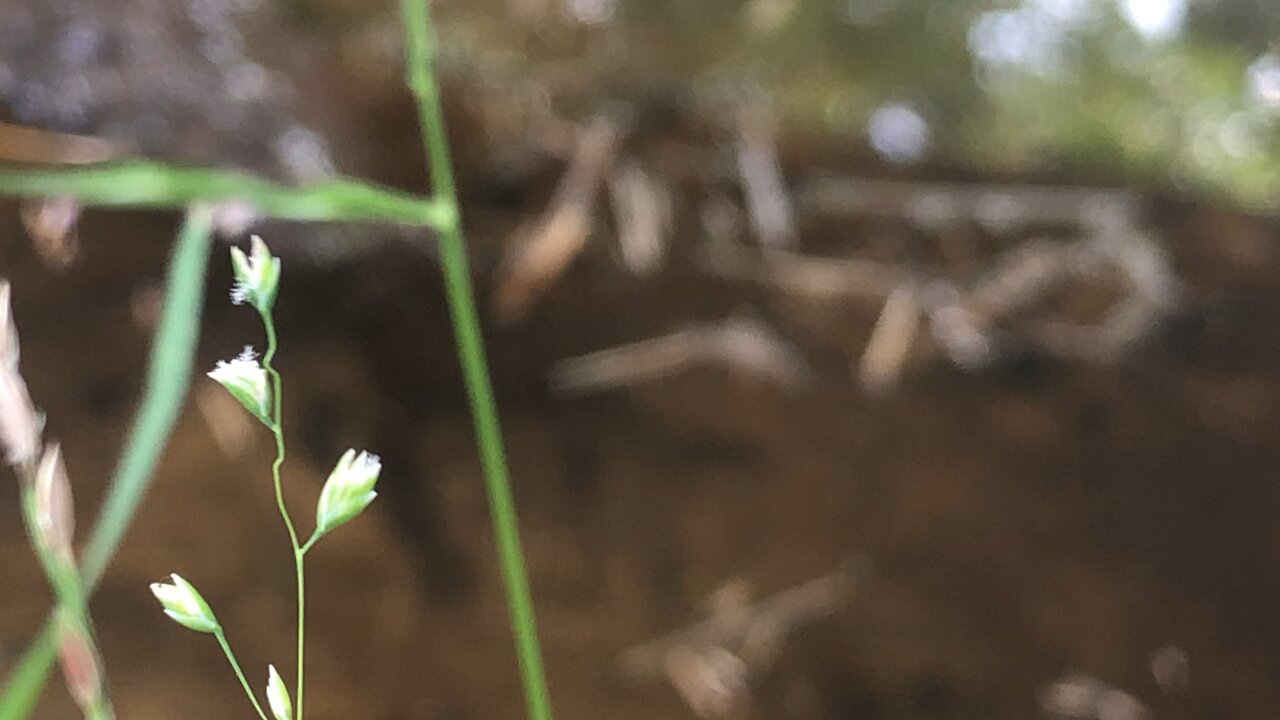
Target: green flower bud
246 380
278 696
257 276
348 491
183 604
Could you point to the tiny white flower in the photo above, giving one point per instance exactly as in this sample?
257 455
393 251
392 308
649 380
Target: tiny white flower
257 275
278 696
348 491
247 382
183 603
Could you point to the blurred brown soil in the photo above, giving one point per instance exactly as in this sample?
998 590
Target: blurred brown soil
1018 525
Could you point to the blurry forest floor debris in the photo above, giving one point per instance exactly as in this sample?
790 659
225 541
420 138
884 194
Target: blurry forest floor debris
710 662
1026 524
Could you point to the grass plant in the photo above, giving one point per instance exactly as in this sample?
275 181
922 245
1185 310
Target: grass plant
148 184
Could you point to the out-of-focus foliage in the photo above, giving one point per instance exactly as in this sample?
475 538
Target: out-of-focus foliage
1174 93
1167 93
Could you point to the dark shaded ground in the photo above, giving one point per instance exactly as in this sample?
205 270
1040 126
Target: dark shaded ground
1018 524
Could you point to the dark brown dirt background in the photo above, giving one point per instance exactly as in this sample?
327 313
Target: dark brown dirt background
1018 526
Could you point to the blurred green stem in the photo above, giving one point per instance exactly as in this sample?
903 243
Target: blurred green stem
168 377
419 49
146 183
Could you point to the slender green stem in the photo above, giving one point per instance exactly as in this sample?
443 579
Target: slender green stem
306 546
298 560
235 665
277 429
145 183
26 681
419 47
168 376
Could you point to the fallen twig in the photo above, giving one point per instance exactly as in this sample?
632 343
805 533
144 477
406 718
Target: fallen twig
23 144
824 278
538 257
741 342
753 632
997 208
768 204
642 211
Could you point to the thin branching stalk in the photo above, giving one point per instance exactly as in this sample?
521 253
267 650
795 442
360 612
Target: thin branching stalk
277 430
168 377
235 665
419 49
